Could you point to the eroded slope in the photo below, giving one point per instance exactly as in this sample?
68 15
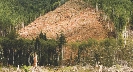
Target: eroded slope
75 19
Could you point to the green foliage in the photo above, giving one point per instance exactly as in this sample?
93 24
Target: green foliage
12 35
16 12
43 36
92 42
26 68
118 10
1 39
105 51
131 20
74 45
18 51
62 40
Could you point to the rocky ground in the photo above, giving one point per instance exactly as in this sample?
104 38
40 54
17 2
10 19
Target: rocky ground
77 68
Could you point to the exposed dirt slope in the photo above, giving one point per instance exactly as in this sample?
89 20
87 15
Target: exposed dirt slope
75 19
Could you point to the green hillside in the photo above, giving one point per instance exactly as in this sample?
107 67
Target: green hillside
119 11
13 12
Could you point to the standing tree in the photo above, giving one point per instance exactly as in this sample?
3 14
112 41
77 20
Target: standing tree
61 43
43 36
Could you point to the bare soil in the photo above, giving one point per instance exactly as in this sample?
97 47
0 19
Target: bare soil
77 20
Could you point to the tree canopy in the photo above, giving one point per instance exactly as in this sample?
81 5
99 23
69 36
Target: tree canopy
119 11
13 12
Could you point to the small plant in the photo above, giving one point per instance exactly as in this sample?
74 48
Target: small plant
117 66
26 68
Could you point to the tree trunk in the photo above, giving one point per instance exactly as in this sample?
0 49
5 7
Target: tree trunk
96 7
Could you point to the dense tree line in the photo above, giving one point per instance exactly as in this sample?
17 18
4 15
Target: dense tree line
17 51
107 52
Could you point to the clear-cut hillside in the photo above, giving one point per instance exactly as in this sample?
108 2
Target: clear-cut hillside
74 18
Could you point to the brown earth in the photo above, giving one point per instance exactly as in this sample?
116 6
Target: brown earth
75 19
